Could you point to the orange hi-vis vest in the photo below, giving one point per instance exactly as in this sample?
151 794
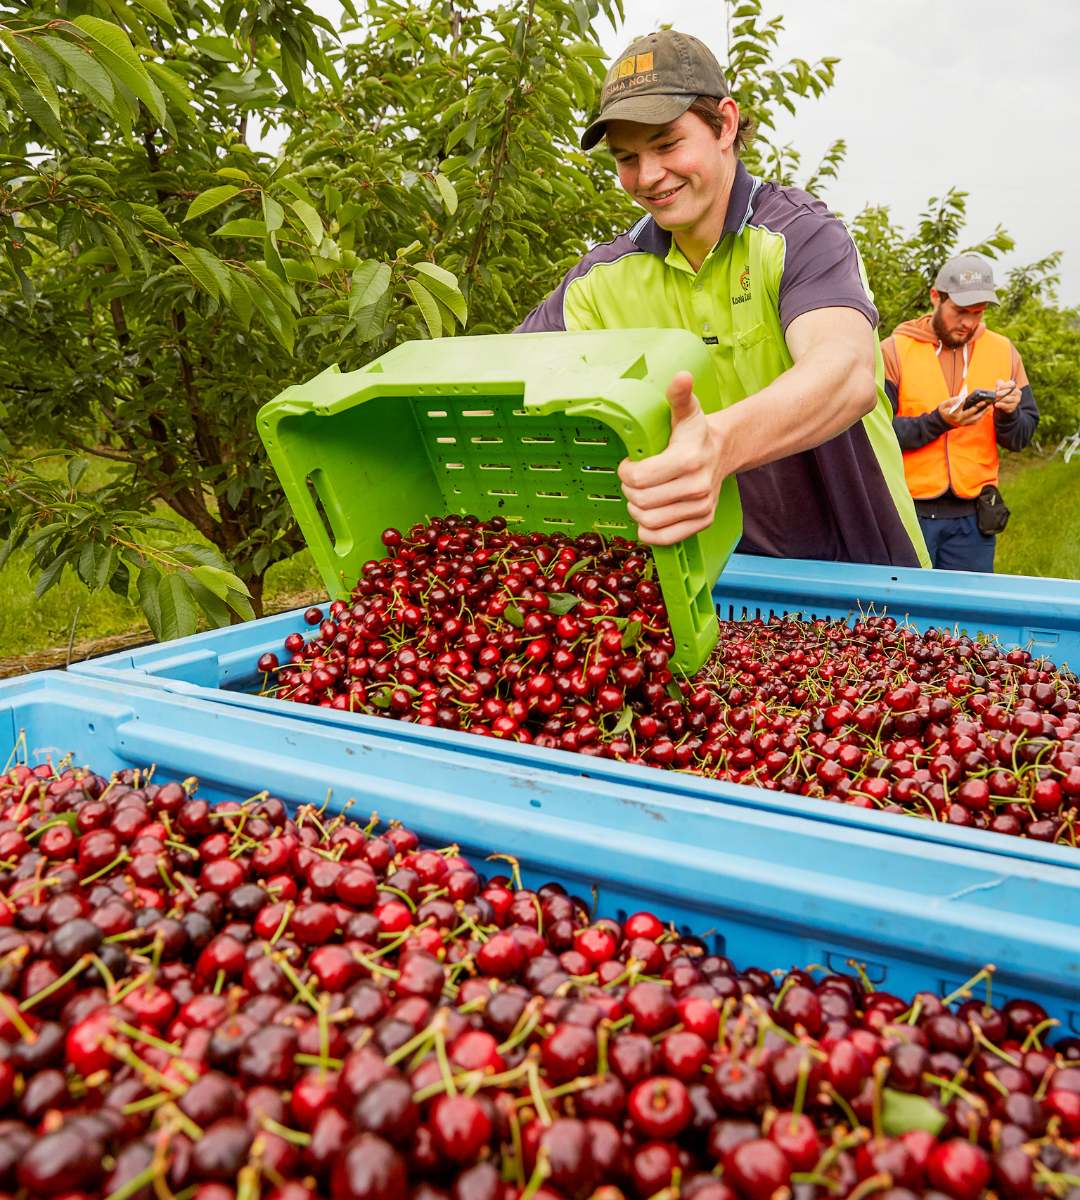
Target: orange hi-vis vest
964 459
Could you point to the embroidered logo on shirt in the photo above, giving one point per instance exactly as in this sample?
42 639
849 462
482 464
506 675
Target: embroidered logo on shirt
744 283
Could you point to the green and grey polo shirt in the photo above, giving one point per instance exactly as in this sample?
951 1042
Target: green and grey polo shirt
782 253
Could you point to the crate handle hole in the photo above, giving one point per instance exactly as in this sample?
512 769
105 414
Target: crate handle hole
620 527
551 495
598 470
447 441
495 467
478 412
537 441
486 441
608 499
544 467
557 521
578 441
454 466
501 492
327 509
535 804
436 412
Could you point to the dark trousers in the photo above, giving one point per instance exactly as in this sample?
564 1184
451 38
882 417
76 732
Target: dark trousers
955 544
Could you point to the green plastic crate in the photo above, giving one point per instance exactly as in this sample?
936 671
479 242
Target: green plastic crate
529 426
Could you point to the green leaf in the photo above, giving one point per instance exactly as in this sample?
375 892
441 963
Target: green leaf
369 281
209 199
272 258
447 191
242 227
153 219
273 213
178 612
674 691
87 75
159 9
149 601
215 608
50 576
31 102
39 77
197 269
116 244
902 1112
443 285
514 615
626 719
216 579
631 634
176 91
428 308
119 57
240 299
381 698
311 220
76 469
582 564
370 321
562 602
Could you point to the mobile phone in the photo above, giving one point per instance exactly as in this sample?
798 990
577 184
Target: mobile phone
978 399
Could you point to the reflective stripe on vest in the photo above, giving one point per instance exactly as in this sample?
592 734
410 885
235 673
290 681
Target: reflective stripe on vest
964 459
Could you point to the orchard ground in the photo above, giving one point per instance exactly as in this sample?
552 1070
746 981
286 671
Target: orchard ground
1043 538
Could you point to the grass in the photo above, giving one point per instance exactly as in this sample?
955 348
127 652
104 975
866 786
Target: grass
1043 538
1043 534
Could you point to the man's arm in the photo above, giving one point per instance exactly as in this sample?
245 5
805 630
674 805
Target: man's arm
829 387
1015 413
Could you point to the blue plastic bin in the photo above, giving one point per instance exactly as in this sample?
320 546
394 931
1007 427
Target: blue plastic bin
1043 614
778 890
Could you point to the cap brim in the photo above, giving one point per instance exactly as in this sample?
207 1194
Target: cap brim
644 110
967 299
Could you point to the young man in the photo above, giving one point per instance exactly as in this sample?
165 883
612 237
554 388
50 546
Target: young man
772 283
950 445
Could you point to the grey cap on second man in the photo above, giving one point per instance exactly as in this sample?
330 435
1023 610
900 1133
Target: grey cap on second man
967 279
655 80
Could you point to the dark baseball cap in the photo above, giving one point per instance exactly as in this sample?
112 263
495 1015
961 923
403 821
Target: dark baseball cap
655 80
967 279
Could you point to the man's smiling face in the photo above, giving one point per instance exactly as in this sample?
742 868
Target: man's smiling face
676 172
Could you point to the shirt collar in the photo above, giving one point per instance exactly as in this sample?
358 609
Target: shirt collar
654 240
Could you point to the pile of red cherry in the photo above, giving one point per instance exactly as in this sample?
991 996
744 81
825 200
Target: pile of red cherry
565 643
232 1003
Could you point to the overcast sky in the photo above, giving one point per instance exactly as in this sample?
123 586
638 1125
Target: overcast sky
932 94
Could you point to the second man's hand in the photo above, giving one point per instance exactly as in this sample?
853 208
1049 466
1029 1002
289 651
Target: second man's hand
673 494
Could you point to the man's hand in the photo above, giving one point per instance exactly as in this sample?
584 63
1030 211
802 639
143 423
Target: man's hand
953 413
673 494
1007 396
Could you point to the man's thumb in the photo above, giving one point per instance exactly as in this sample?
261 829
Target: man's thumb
680 395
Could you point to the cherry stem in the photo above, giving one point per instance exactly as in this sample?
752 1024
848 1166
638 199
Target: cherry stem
515 867
136 1184
965 988
16 1018
537 1092
140 1035
294 1136
880 1182
985 1042
73 972
1036 1032
539 1174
